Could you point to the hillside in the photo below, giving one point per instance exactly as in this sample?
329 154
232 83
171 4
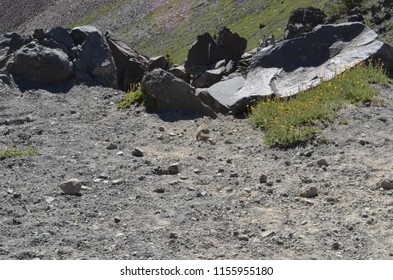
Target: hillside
158 27
151 191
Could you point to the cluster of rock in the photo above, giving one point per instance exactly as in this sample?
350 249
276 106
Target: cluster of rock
213 79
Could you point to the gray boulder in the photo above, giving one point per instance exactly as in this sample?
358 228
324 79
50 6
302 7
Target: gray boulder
9 43
173 94
208 78
179 72
37 63
202 55
131 65
232 45
93 63
295 65
159 62
219 95
303 20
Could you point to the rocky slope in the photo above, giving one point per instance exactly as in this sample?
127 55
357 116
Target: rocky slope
236 199
316 202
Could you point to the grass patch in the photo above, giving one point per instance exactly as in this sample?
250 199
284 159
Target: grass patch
102 11
15 151
137 97
290 122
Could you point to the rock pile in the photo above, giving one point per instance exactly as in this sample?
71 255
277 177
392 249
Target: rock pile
217 77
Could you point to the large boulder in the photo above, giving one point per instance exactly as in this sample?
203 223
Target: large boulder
208 78
173 94
9 43
93 63
295 65
219 95
37 63
303 20
202 55
131 65
232 45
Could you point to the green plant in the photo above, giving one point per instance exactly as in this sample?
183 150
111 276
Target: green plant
290 122
15 151
137 97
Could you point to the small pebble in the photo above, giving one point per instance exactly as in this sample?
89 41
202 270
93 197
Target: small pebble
137 152
71 187
111 146
309 192
243 237
263 179
336 246
117 220
173 235
173 169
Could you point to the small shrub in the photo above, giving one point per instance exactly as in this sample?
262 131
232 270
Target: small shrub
139 98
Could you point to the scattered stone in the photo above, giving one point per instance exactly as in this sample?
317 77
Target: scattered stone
201 194
161 128
71 187
111 147
234 175
103 176
173 235
49 199
263 179
173 169
268 233
308 153
309 192
16 195
269 184
117 220
243 237
137 152
159 190
120 154
117 182
322 162
386 184
336 246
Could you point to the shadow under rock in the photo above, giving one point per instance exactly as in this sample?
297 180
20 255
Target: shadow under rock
59 88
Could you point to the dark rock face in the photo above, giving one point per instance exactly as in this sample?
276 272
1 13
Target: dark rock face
158 62
202 54
37 63
94 63
232 45
131 66
9 43
173 94
303 20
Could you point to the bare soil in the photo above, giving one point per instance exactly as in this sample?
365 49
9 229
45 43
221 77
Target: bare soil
215 208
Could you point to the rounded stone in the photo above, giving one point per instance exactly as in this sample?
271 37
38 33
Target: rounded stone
71 187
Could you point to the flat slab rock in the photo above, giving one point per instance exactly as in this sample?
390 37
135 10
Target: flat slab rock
292 66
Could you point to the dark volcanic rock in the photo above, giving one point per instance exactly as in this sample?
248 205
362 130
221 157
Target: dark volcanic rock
94 63
37 63
130 64
173 94
202 54
233 46
303 20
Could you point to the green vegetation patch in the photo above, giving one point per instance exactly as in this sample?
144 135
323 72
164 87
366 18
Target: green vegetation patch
102 11
290 122
137 97
15 151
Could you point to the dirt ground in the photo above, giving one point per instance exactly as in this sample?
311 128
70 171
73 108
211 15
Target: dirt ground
216 207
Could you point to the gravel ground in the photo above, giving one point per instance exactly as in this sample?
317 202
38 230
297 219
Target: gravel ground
237 199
